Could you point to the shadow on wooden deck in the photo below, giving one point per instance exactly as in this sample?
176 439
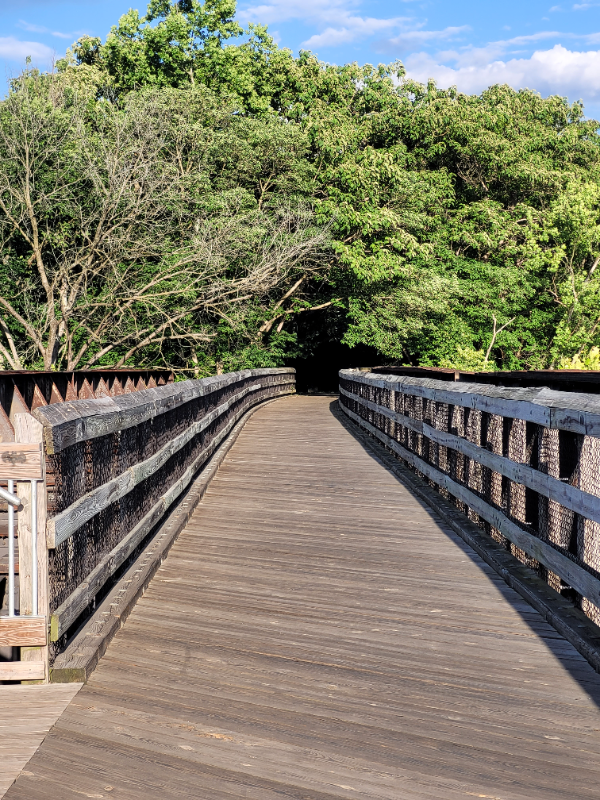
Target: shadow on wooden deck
532 588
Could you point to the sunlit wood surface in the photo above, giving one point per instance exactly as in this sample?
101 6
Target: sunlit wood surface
316 633
26 715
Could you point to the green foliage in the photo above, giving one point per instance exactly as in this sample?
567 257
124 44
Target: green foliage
463 230
589 360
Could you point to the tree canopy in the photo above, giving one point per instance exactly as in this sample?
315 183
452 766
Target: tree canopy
187 193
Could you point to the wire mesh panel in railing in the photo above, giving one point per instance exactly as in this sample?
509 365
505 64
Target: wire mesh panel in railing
115 465
522 463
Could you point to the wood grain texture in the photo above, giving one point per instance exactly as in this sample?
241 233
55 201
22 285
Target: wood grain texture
64 525
22 631
28 713
20 461
28 431
569 411
62 618
581 580
80 658
569 496
316 633
77 421
22 670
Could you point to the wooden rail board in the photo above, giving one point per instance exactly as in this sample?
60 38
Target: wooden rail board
22 671
20 461
569 496
581 580
316 632
22 631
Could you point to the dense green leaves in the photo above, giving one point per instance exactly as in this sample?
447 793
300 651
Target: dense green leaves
461 230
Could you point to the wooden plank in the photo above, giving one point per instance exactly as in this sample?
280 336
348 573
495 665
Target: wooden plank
23 631
20 461
63 617
22 670
79 421
82 654
74 605
28 713
569 411
64 525
29 431
316 631
581 580
569 496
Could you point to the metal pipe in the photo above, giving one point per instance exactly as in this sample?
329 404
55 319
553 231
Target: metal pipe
34 559
11 546
10 497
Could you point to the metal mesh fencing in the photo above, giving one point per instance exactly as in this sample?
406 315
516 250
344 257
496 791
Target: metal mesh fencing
568 457
85 467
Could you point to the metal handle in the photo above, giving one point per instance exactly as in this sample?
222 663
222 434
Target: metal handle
13 501
34 558
10 498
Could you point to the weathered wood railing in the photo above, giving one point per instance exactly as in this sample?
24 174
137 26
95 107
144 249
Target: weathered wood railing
523 463
113 466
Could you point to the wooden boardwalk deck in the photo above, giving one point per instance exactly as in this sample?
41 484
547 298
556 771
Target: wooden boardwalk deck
26 715
316 633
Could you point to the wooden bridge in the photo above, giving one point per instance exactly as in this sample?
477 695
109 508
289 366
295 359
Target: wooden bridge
313 620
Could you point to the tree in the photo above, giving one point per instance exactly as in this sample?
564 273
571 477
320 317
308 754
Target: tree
463 227
116 249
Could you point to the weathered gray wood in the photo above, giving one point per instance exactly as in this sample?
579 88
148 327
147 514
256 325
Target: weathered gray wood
28 713
74 605
64 525
64 616
318 632
414 424
569 621
570 411
79 420
583 503
29 431
581 580
81 656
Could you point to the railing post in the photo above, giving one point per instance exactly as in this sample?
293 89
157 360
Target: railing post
33 553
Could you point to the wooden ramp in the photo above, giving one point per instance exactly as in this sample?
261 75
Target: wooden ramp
316 633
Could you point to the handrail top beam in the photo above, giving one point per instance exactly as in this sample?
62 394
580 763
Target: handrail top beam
66 424
570 411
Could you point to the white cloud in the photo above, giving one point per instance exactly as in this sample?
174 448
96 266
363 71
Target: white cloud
27 26
419 36
555 71
316 11
549 70
353 28
335 19
14 49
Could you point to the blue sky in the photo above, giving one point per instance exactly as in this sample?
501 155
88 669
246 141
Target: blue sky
554 49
